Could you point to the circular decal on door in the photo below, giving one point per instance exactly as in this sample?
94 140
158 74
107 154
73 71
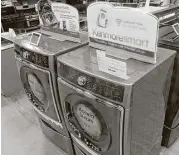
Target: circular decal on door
36 88
88 120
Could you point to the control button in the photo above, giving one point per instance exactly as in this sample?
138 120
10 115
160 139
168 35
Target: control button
33 58
79 135
82 80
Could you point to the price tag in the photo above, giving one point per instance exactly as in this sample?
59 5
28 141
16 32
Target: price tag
35 38
111 66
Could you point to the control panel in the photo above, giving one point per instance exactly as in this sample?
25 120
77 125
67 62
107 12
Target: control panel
93 84
35 58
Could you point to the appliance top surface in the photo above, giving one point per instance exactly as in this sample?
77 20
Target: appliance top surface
85 60
47 45
5 42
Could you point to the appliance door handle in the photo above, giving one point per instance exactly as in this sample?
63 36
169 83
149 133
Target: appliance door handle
84 93
48 118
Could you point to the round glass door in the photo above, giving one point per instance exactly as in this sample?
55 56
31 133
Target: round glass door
87 123
36 88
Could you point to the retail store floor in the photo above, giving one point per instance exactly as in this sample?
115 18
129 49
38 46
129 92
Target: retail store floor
21 134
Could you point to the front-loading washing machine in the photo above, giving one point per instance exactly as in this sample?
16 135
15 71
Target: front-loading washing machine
107 115
36 66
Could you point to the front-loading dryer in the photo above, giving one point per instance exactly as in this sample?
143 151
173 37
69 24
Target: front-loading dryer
36 66
107 115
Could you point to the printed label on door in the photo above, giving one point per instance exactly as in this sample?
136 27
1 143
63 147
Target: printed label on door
88 121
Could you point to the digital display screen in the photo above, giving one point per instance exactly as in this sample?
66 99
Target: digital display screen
88 120
35 38
176 28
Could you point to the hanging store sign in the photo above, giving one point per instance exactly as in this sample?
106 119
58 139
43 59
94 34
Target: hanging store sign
132 31
59 18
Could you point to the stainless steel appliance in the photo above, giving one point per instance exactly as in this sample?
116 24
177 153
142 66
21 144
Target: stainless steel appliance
36 65
108 115
10 81
171 124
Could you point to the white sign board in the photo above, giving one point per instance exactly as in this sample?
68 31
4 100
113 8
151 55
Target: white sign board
132 31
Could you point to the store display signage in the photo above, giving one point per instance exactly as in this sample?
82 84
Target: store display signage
67 17
59 18
46 15
131 30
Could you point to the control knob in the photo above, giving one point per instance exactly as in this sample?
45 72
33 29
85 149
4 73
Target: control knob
25 55
82 80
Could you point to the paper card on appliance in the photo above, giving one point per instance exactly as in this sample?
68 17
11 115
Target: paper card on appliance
123 30
111 66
